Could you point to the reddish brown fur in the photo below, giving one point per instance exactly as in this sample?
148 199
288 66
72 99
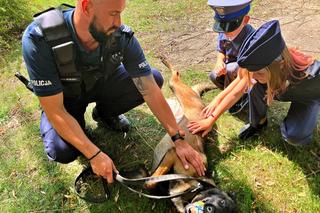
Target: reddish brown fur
192 106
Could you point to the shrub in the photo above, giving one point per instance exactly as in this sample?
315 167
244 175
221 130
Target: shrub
14 16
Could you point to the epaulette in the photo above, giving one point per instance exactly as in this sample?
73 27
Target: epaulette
126 29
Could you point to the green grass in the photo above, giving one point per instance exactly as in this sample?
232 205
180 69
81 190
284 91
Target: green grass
266 174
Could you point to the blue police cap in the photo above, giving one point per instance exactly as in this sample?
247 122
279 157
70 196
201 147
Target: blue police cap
229 13
262 47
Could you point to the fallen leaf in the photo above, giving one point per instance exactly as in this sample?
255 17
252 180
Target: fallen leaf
153 206
270 183
68 196
302 194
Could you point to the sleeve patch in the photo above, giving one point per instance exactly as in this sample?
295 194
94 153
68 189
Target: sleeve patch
41 83
143 65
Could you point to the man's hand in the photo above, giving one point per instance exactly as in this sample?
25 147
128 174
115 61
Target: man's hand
188 155
103 166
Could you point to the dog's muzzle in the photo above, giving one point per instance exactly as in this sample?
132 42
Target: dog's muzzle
212 201
199 207
196 207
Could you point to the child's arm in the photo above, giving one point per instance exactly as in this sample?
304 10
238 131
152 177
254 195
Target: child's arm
205 125
208 110
220 67
220 104
231 98
238 86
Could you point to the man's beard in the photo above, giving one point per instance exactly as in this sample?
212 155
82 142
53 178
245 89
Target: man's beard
100 36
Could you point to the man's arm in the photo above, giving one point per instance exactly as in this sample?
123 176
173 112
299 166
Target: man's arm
69 129
159 107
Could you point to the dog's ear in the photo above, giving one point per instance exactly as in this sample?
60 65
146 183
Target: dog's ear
233 196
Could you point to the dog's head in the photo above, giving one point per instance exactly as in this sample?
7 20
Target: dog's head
212 200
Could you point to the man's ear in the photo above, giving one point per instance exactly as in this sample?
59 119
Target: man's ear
85 6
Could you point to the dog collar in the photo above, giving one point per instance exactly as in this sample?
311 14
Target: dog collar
197 207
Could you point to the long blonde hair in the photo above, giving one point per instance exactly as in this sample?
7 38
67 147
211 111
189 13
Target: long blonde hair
287 69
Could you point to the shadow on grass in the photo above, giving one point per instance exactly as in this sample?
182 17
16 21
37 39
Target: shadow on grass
128 153
306 157
246 200
136 148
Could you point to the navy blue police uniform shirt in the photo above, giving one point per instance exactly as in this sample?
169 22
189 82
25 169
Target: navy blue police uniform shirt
231 48
41 66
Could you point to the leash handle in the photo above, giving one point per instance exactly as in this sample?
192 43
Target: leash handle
87 174
105 188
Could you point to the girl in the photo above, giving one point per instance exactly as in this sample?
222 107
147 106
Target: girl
270 70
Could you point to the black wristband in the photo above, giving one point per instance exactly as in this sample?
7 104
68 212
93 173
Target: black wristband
177 136
95 155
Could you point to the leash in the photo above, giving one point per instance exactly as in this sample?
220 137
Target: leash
104 194
163 178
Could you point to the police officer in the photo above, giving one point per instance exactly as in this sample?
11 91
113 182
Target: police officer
231 22
96 60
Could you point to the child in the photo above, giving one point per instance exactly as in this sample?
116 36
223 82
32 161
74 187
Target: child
272 71
231 22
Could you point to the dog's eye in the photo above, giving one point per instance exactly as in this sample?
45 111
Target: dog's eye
209 209
222 203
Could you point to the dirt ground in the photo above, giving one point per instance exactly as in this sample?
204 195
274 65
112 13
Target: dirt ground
195 44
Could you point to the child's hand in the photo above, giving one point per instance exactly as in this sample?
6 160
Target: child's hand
208 110
220 69
203 126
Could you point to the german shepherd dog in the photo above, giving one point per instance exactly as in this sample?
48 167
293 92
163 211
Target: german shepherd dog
166 159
